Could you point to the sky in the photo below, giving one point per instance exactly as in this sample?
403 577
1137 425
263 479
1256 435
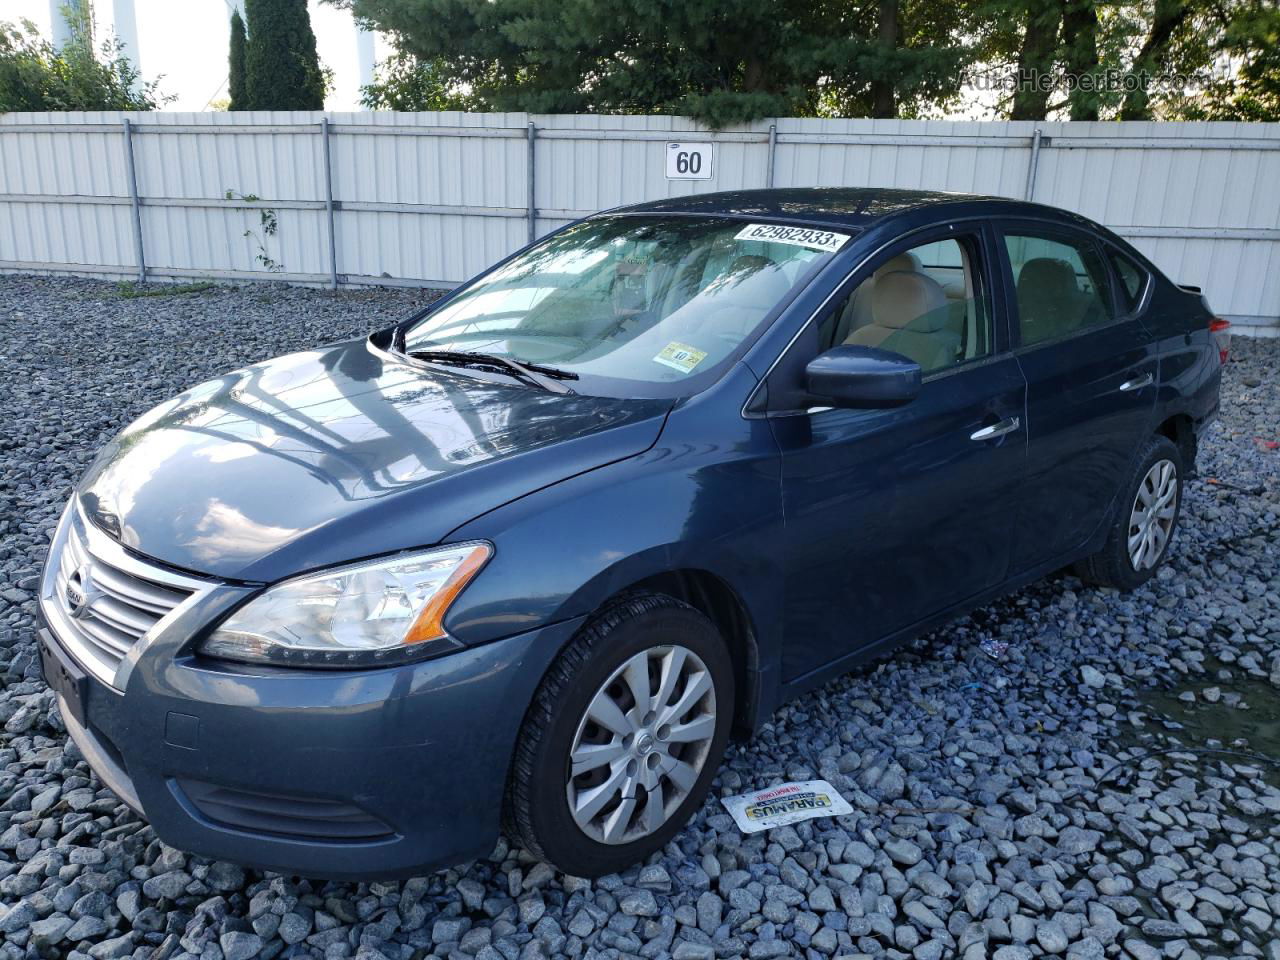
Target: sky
184 43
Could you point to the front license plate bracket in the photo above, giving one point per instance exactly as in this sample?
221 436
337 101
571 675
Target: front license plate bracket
65 678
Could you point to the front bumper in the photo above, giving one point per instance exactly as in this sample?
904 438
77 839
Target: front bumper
340 774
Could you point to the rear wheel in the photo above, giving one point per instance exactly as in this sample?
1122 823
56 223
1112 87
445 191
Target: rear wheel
623 738
1145 520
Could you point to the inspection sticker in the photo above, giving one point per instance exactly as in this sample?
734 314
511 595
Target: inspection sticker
811 237
785 803
680 356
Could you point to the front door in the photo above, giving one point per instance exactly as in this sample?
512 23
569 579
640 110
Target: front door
1091 391
895 515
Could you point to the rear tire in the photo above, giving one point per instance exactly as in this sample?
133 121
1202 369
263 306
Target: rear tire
1145 521
596 813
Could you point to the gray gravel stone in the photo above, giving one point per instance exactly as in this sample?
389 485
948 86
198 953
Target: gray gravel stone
115 947
166 886
294 928
17 917
903 851
240 946
49 931
639 903
1052 937
710 912
981 827
1073 840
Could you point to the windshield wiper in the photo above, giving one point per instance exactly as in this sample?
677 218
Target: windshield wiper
548 378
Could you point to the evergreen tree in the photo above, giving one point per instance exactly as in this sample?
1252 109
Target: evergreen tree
729 61
282 70
236 63
720 61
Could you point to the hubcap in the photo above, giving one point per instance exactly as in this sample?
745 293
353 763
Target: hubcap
1151 520
641 745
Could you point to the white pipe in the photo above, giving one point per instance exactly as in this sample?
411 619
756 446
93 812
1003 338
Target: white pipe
364 55
58 25
126 28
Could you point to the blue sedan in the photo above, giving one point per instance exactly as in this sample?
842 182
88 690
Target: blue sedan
529 558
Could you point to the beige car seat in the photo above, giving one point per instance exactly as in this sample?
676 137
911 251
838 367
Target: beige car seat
857 312
910 314
1050 302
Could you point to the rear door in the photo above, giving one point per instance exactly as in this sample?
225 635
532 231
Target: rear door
1090 368
894 515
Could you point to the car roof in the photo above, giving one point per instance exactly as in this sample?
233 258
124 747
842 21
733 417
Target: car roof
851 207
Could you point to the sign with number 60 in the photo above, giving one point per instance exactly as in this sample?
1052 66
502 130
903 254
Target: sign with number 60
689 161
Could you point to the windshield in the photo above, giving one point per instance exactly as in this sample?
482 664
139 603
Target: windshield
634 306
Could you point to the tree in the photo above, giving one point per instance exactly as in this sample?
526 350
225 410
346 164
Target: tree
1132 59
1251 42
1081 57
882 92
235 61
403 82
282 70
1026 34
720 61
1153 57
36 76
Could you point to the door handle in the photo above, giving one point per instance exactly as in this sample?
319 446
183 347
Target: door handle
1008 425
1137 383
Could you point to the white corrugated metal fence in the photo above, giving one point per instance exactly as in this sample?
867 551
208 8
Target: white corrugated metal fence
432 198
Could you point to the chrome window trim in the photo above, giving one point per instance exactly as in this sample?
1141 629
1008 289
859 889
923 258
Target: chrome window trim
100 546
1022 349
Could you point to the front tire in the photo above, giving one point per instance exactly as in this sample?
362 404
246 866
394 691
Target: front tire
623 737
1145 521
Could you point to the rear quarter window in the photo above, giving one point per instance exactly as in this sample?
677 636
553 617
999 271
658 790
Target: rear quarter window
1133 280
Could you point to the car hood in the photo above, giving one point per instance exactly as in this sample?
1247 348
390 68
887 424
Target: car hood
340 453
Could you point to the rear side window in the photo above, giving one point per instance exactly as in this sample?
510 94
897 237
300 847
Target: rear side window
1061 286
1133 280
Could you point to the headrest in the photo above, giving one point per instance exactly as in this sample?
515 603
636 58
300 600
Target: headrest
907 261
901 299
1047 277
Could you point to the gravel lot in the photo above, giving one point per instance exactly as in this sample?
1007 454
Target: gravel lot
1011 806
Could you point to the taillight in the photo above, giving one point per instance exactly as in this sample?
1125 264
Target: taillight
1221 330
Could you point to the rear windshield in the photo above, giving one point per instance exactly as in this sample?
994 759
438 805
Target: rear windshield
635 306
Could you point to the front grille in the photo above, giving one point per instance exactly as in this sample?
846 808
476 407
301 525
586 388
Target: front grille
106 600
301 817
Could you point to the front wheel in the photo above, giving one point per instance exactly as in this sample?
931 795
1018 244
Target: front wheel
1145 521
623 738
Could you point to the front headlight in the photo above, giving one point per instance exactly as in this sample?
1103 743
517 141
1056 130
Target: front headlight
364 614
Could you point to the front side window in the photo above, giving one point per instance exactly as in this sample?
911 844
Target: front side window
1061 286
926 303
633 306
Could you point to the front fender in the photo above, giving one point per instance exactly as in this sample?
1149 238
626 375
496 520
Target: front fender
685 504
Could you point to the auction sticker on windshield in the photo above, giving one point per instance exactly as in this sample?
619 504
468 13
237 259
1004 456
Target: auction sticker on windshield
680 356
786 803
826 240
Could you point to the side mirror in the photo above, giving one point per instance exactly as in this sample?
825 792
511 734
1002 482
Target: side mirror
854 376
